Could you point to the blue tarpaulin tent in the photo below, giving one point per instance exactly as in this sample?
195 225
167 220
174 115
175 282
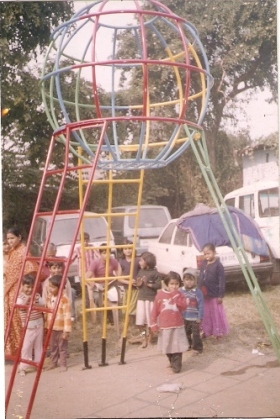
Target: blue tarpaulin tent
205 225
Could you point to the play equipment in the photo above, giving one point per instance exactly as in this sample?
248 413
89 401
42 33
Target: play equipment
112 133
144 128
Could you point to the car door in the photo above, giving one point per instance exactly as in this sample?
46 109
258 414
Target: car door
183 251
162 249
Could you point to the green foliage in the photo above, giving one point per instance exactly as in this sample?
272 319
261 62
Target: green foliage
180 185
25 31
271 141
240 42
26 26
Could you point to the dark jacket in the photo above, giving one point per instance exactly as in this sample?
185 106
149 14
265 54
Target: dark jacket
153 278
212 276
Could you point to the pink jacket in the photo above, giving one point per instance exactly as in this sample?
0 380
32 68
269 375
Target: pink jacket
167 310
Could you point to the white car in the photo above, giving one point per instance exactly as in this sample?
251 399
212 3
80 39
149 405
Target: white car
175 251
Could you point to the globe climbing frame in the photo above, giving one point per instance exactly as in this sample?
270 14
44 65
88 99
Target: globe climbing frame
145 126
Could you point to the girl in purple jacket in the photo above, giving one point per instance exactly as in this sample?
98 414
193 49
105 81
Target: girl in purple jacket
211 281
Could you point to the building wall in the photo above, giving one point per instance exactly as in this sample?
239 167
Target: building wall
259 165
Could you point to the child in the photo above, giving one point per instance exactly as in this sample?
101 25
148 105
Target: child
89 255
148 281
194 313
61 327
97 269
56 268
50 253
125 263
33 339
212 283
166 316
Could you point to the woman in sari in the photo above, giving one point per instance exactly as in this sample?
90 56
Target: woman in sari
11 278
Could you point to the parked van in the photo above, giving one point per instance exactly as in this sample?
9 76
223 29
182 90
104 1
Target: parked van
261 201
152 220
63 234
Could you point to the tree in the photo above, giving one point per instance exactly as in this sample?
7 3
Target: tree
25 31
28 147
25 27
240 42
180 185
25 143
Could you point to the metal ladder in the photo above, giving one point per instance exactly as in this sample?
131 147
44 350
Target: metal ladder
111 182
51 171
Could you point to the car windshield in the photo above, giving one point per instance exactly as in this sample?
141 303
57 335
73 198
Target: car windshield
63 230
149 217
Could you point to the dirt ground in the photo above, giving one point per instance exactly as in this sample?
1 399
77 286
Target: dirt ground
241 310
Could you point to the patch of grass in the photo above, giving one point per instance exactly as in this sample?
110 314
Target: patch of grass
243 315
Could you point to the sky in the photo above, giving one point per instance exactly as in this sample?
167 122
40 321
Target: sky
260 117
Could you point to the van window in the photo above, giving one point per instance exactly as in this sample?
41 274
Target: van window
269 202
167 234
149 217
39 231
63 230
246 204
117 223
39 235
230 202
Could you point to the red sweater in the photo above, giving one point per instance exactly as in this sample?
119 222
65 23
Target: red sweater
167 310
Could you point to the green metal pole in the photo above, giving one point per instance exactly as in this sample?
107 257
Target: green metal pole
199 147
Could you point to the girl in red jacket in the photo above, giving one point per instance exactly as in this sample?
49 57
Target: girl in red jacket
166 317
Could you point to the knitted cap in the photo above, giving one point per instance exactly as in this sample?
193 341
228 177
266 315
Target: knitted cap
190 271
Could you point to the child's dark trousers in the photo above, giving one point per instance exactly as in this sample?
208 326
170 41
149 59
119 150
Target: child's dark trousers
175 361
192 329
58 348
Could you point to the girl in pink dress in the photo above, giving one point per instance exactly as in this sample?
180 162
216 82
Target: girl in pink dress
166 317
211 281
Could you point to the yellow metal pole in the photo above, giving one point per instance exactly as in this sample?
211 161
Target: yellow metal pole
129 291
